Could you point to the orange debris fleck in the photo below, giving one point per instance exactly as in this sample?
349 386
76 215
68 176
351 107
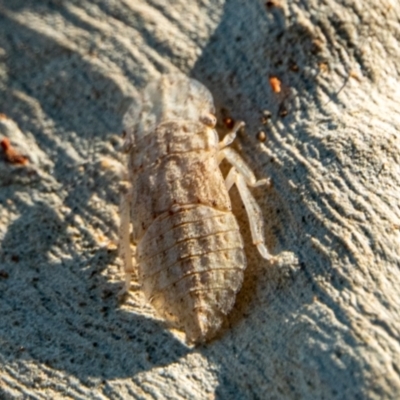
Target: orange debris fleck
12 155
275 84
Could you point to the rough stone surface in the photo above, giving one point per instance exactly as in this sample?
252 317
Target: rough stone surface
324 321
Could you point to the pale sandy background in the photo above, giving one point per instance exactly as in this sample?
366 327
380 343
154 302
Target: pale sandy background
323 322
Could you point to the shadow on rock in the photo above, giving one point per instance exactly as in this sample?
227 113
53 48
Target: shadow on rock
54 310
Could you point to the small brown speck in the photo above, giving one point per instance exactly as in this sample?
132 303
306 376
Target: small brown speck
261 136
229 122
15 258
283 111
272 4
3 274
317 46
265 117
106 294
293 66
323 66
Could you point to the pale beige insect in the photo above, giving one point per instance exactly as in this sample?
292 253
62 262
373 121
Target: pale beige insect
189 251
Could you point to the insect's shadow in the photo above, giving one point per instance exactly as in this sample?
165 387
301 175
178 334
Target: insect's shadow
59 312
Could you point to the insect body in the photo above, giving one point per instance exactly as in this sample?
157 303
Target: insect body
189 251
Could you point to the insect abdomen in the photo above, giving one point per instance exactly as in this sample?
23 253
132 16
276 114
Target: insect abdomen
191 267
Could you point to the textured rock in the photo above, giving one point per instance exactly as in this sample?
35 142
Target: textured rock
324 321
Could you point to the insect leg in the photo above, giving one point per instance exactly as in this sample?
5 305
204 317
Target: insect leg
252 208
124 239
230 136
241 167
230 179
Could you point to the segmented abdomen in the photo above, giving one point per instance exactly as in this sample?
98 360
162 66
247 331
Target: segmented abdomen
191 264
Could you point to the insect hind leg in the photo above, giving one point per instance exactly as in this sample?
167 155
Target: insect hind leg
230 136
241 175
253 211
241 167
